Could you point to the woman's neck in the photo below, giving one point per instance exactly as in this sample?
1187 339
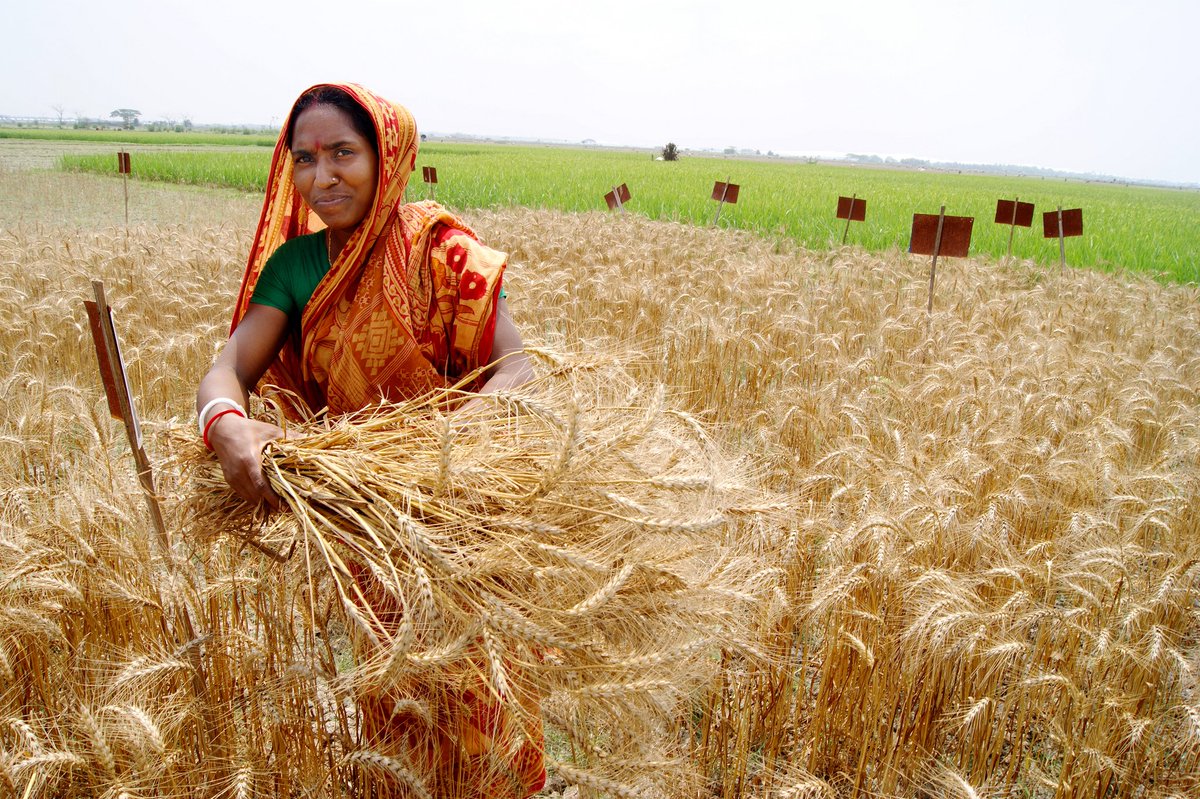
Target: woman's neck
334 242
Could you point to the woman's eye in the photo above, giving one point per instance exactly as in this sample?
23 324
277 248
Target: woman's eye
344 152
303 159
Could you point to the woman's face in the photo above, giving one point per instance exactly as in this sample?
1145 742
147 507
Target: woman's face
334 167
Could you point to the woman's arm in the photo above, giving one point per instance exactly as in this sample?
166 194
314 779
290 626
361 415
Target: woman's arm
510 365
238 442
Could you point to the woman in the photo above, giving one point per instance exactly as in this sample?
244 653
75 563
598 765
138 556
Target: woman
386 302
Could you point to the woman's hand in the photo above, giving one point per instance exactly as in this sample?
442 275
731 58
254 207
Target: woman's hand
238 441
238 444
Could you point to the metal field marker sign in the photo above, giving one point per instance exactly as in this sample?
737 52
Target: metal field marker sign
724 193
120 398
1071 223
940 235
1059 225
123 166
617 197
429 175
108 375
943 235
1013 213
852 209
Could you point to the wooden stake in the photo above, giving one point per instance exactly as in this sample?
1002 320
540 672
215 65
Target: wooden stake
120 404
1062 248
1013 226
937 247
849 216
616 190
123 166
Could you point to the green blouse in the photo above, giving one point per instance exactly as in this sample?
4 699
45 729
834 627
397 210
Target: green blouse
292 273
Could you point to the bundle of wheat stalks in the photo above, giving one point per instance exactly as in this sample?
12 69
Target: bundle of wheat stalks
577 544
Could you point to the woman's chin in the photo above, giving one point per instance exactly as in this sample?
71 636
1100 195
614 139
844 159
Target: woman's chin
335 223
329 220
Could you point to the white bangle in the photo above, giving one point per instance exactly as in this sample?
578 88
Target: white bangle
202 419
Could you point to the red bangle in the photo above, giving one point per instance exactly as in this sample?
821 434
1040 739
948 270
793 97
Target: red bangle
215 417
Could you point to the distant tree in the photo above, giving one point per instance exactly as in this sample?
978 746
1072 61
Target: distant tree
128 116
59 109
670 152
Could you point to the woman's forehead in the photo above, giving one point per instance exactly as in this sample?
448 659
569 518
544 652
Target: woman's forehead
323 126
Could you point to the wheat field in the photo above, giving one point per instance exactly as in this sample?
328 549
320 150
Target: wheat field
958 555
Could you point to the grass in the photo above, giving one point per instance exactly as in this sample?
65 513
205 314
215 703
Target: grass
245 171
984 580
143 137
1125 227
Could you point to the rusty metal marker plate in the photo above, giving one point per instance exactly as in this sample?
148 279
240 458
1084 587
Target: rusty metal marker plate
123 164
429 174
725 191
852 208
956 235
1072 223
1009 212
621 192
106 369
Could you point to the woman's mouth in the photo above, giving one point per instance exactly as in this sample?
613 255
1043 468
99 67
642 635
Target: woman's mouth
330 201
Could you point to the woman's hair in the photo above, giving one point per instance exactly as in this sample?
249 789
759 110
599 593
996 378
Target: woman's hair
339 99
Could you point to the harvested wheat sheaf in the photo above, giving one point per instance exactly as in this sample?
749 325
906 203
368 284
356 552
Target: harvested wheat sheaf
576 538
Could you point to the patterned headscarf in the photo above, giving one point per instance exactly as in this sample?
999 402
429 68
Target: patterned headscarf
410 302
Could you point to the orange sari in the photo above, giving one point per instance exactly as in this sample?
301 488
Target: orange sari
408 306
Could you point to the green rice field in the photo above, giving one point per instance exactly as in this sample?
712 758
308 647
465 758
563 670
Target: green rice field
241 139
1125 227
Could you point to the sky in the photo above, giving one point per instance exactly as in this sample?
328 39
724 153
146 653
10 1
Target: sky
1090 86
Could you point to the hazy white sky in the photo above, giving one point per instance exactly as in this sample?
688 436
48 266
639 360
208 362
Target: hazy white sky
1082 85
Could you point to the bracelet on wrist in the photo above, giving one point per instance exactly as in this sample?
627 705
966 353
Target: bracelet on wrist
208 427
203 418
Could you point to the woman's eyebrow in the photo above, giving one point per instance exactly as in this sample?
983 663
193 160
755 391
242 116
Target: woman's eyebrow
318 147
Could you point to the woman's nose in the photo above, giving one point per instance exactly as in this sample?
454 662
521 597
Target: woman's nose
326 175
